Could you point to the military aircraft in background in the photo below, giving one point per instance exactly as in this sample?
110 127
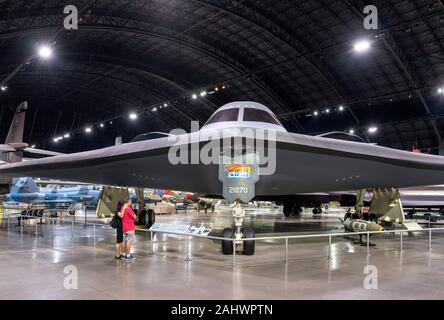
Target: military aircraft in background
25 190
149 197
13 149
304 164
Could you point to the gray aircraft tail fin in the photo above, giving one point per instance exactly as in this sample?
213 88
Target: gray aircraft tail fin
15 134
24 185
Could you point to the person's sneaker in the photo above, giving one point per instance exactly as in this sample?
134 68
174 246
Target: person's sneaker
122 256
118 258
130 259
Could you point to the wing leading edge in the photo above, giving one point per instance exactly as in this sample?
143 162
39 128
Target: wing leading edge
303 164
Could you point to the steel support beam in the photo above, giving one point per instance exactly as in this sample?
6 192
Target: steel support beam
403 62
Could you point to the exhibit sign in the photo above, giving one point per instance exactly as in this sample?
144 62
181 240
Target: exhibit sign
170 227
239 176
195 230
199 230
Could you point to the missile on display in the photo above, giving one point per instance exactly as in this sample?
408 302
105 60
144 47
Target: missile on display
358 225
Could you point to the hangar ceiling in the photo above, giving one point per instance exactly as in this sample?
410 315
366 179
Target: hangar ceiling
296 57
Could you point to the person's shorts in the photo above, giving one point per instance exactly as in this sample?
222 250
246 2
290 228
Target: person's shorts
130 236
119 235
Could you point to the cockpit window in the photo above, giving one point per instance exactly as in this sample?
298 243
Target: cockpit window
149 136
224 115
258 115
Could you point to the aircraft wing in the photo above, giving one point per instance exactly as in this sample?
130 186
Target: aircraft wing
304 164
42 152
6 148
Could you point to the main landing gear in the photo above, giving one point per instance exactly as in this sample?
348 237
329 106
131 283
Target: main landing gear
317 210
147 218
292 209
237 234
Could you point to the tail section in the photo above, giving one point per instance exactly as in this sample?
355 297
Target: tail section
14 139
24 185
15 134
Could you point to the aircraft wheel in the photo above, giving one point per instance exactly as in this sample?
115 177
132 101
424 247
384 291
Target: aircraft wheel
288 209
150 218
296 211
249 245
373 218
227 245
142 218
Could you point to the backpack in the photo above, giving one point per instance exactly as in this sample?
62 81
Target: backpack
115 221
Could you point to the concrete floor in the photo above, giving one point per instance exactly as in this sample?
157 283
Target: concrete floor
33 264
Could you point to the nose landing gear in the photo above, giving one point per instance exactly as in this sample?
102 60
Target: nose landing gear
238 234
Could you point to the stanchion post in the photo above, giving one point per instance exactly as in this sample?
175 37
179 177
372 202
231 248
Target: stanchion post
36 225
52 233
329 246
402 244
151 244
430 241
368 244
72 230
94 234
234 252
187 259
286 250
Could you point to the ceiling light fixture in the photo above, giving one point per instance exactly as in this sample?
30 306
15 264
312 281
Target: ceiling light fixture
45 52
361 46
372 129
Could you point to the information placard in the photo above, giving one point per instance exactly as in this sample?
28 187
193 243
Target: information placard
238 177
199 230
170 227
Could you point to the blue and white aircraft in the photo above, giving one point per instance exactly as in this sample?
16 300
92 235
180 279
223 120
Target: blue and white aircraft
25 190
